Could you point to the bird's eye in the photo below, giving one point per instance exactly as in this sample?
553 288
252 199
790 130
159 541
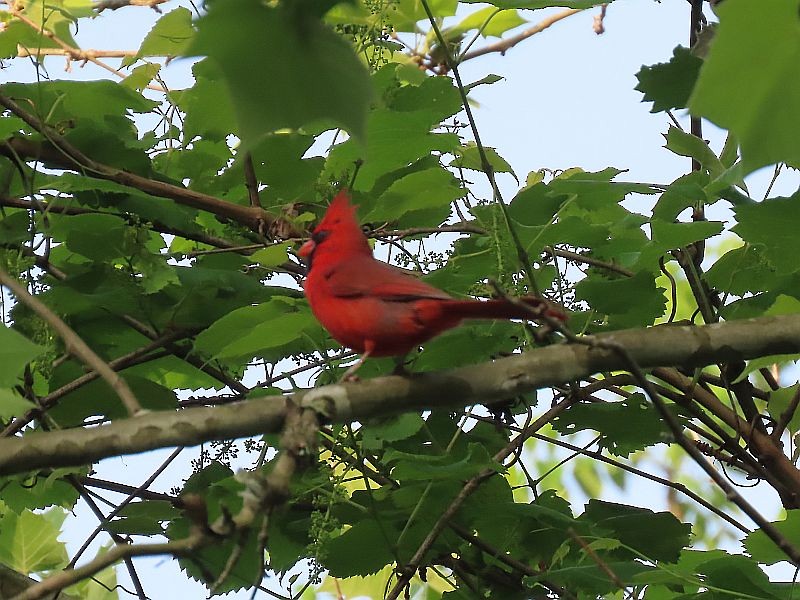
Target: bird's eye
319 236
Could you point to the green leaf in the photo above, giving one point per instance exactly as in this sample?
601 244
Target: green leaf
392 429
29 541
736 573
656 535
741 270
678 235
141 76
208 96
259 330
360 550
13 405
15 352
272 256
431 191
771 226
627 302
627 426
490 22
399 134
468 157
763 549
135 526
488 80
757 49
170 36
668 85
765 361
779 402
248 37
38 491
686 191
100 586
685 144
410 467
534 4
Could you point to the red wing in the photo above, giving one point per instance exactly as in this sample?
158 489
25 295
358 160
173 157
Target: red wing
369 277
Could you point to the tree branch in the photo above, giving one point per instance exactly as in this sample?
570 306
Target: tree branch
74 344
502 46
485 383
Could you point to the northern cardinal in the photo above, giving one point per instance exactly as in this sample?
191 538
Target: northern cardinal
377 309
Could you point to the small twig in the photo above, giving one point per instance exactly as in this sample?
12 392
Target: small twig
105 520
75 53
594 262
598 25
74 344
768 528
68 577
644 474
251 181
46 402
118 539
503 46
117 4
603 565
473 484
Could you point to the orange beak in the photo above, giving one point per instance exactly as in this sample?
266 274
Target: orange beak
306 249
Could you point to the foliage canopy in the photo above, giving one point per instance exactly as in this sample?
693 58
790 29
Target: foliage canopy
153 229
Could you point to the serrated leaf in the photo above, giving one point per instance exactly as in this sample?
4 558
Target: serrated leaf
534 4
685 144
627 426
271 256
668 85
657 535
679 235
756 48
361 550
376 434
13 405
490 22
249 37
468 157
763 549
141 76
771 225
170 36
431 190
627 302
29 541
15 352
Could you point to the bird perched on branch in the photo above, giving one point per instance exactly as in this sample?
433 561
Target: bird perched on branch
380 310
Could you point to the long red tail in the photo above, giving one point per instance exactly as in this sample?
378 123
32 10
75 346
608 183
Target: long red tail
502 309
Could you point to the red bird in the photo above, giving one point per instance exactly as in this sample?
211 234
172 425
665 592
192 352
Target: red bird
377 309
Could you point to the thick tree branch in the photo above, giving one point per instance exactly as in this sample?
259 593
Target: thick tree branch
61 154
485 383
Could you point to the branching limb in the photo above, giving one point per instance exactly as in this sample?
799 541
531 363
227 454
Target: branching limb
74 344
66 578
60 153
73 53
485 383
503 46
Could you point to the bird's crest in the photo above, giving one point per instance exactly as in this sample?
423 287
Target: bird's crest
340 213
